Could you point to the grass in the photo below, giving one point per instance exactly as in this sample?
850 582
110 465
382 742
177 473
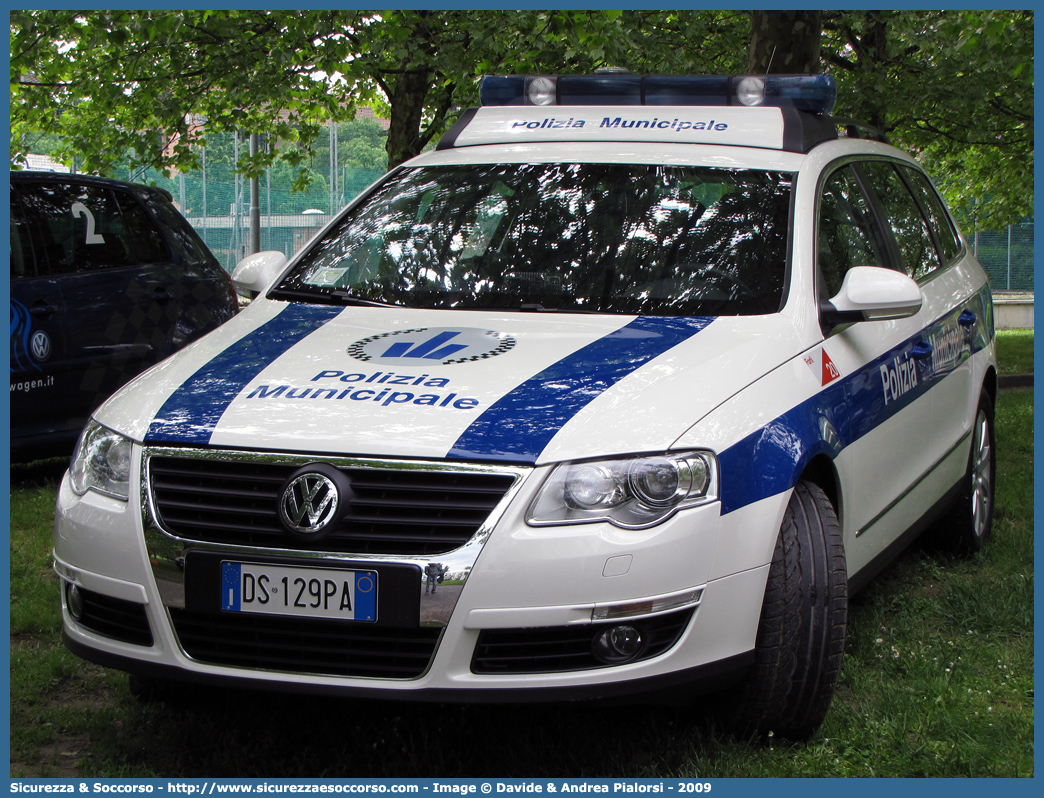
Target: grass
33 609
1015 351
937 681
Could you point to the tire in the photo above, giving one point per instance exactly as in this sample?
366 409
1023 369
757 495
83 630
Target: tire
965 529
801 635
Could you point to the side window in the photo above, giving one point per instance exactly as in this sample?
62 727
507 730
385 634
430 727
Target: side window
916 248
81 227
23 260
183 238
847 232
145 240
938 219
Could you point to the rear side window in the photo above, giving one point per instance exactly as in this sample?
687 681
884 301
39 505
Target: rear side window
938 219
84 228
847 233
143 236
23 260
917 253
183 237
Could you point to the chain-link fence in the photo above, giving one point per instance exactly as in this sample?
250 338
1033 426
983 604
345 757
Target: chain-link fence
216 200
220 211
1007 257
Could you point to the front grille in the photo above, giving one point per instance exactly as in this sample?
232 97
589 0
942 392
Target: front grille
392 511
112 617
555 649
304 645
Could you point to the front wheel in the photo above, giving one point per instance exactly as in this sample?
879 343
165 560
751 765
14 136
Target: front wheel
801 634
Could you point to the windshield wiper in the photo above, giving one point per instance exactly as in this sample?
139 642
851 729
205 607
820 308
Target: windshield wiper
334 297
536 307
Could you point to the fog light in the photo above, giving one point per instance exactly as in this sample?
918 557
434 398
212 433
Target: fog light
617 644
74 601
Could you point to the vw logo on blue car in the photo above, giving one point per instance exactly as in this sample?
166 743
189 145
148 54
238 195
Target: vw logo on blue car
41 346
431 345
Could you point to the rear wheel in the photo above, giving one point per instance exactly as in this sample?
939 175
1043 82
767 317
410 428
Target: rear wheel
801 635
966 527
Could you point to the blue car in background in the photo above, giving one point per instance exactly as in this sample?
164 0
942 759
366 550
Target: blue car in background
107 278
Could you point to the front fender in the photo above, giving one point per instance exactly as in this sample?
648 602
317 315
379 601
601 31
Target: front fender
771 459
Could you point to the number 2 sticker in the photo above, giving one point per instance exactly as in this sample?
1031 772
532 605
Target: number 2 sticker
79 209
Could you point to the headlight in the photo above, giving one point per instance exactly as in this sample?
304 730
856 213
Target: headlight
101 462
633 493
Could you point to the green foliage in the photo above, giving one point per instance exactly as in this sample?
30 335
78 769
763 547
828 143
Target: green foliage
361 144
139 84
124 85
956 87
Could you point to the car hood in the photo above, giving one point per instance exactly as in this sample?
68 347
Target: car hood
470 385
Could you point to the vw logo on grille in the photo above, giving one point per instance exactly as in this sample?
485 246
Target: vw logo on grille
309 503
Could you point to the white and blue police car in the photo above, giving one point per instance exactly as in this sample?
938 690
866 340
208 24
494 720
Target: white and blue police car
640 376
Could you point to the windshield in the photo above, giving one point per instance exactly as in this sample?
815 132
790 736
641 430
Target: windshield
602 238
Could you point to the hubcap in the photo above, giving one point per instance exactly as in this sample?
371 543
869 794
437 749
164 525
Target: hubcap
982 486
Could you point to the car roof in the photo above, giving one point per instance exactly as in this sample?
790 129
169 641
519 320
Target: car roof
638 152
31 176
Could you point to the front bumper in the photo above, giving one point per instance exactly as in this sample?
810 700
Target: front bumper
569 580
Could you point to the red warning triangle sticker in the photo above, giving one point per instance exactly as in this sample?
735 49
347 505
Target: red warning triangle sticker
830 372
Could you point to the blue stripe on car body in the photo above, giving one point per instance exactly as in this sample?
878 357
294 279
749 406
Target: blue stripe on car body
769 460
191 413
519 425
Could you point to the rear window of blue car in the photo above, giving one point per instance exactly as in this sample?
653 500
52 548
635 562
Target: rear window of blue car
85 228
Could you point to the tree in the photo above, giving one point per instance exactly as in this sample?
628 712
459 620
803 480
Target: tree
785 42
956 87
149 85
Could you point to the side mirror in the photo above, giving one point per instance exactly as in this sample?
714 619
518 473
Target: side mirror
255 273
872 293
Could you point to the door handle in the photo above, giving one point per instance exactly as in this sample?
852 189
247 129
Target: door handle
42 310
921 350
159 292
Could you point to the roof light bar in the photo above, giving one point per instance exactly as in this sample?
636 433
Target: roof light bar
812 93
